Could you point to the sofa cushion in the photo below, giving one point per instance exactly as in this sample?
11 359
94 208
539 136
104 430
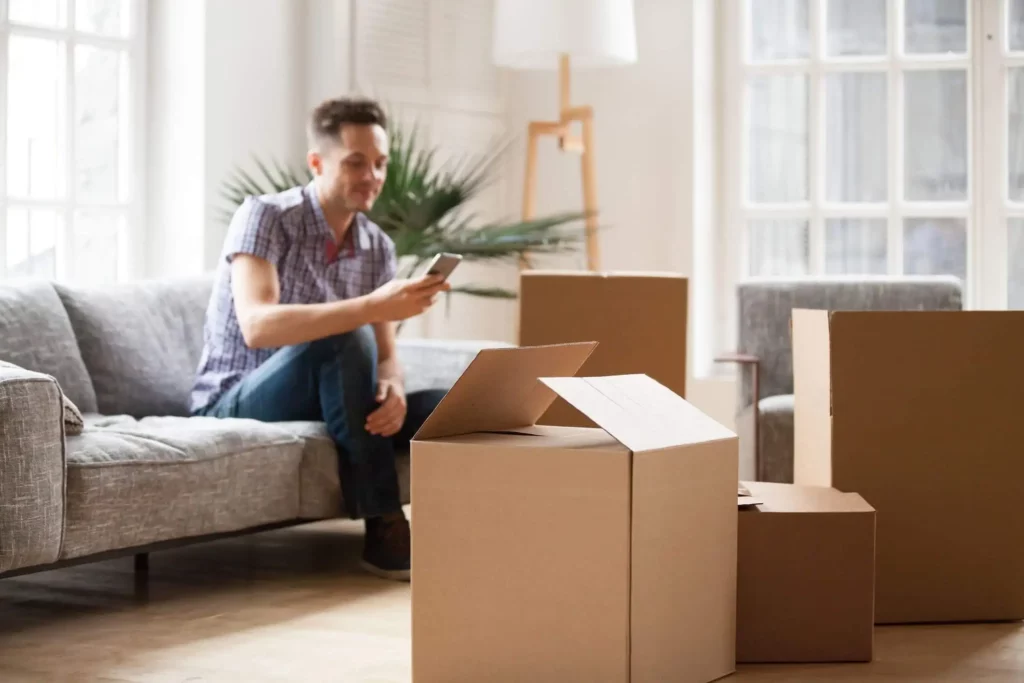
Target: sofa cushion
131 483
319 485
36 334
141 342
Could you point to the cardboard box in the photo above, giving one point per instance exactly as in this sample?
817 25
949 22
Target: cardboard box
639 320
554 554
806 585
920 413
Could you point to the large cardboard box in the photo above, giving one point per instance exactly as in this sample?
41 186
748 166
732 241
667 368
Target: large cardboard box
554 554
920 413
806 586
639 320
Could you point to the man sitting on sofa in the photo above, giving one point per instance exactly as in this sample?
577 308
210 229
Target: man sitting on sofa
301 322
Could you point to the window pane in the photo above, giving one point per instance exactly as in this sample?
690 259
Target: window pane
96 240
1015 263
856 28
32 243
778 29
1016 25
777 138
109 17
52 13
856 246
36 116
936 132
99 78
779 247
935 246
856 137
1015 133
936 26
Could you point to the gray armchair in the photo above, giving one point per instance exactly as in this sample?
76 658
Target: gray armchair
765 353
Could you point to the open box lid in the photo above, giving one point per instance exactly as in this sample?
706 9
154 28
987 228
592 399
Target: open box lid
510 388
499 390
638 412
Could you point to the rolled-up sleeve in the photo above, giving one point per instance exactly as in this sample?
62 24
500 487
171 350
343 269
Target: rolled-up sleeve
255 229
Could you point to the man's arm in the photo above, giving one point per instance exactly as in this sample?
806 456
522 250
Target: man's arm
265 322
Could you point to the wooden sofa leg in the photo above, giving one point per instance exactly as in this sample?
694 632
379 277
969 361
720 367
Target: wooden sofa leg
142 577
142 563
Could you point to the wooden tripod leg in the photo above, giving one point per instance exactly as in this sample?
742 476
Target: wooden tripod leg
590 194
529 183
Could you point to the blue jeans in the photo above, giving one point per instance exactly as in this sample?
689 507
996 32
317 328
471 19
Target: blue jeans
334 380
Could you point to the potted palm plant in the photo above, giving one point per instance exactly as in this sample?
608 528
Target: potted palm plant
423 208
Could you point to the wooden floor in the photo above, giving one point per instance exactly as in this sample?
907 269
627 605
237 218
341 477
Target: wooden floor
293 606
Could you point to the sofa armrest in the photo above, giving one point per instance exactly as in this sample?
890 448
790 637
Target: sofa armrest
438 363
32 468
749 360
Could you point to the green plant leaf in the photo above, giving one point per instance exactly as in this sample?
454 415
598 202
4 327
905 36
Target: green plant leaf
488 292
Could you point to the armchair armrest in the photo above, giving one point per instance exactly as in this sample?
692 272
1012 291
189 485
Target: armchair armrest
746 359
32 468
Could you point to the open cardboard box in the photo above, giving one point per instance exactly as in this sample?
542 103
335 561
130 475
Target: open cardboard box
920 413
545 553
806 583
638 319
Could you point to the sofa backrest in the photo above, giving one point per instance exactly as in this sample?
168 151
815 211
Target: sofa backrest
766 306
140 342
36 334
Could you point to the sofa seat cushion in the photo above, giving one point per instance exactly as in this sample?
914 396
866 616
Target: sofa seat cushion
134 482
38 336
319 485
141 342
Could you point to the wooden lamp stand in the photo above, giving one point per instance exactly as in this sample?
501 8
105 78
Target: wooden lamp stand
583 145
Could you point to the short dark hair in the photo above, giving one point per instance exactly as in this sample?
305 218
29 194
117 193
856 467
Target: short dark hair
329 116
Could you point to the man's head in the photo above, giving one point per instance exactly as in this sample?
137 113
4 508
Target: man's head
348 152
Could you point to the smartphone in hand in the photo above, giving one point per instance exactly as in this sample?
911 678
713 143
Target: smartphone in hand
444 264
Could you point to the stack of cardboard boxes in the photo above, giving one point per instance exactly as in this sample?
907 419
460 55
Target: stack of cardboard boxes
920 412
576 517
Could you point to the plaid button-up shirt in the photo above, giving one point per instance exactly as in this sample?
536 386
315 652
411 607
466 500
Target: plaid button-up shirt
288 230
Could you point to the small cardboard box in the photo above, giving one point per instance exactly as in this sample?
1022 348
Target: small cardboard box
638 319
806 585
920 413
554 554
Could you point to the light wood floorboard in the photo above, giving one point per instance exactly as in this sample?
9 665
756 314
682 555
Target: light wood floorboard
292 605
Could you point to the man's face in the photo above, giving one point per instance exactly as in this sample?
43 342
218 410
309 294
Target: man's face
350 171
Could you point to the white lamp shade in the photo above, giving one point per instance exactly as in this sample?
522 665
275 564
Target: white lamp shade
532 34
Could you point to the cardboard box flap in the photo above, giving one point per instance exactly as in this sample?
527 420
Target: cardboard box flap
499 389
637 411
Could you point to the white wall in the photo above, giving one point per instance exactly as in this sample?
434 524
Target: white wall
176 138
226 81
255 93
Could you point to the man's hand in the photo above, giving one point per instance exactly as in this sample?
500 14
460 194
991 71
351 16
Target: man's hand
402 299
390 416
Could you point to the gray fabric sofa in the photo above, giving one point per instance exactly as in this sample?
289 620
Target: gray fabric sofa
765 351
143 474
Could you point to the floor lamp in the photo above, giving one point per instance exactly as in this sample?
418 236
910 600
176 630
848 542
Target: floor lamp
565 34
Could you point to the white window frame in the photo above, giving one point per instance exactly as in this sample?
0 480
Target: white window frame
985 209
130 241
